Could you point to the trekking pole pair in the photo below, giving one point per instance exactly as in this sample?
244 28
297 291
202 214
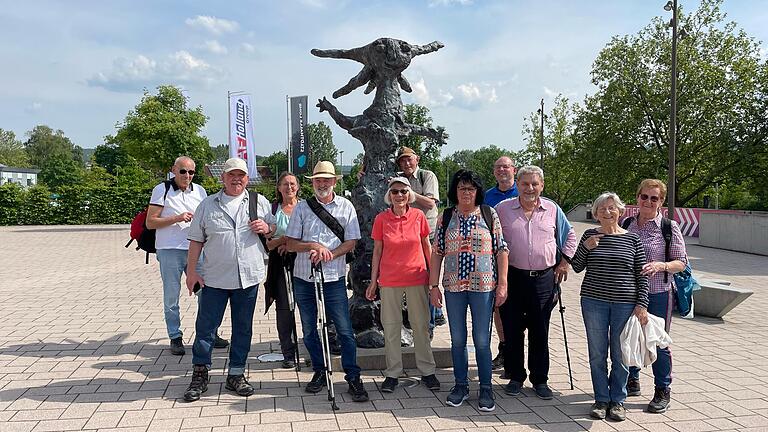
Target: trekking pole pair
322 327
565 336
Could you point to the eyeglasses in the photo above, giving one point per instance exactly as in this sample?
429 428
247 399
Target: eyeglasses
399 191
653 198
185 171
467 190
503 166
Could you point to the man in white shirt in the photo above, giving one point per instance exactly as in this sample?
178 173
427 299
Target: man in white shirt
171 209
232 269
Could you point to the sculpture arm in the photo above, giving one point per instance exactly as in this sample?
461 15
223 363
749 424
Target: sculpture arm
359 80
426 49
355 54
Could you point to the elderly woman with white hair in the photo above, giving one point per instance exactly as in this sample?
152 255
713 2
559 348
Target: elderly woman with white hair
613 289
400 266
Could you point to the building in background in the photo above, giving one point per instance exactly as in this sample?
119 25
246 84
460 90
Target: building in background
24 176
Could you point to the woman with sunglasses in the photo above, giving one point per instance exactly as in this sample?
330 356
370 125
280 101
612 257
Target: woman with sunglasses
650 198
400 264
474 278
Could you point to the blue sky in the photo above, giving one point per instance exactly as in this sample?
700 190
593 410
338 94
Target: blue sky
80 66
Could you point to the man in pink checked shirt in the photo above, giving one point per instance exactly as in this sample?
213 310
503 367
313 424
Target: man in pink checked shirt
538 234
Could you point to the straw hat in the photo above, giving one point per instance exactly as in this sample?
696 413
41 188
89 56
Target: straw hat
324 169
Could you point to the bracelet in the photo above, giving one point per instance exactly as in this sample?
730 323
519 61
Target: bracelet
435 286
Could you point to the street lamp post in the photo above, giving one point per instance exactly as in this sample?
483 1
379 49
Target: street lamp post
671 181
341 168
541 135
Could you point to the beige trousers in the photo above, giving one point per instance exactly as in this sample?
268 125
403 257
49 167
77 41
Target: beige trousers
392 320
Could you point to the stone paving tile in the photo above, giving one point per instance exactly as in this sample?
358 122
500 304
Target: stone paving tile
99 358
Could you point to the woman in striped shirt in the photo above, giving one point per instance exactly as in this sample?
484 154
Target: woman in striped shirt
614 288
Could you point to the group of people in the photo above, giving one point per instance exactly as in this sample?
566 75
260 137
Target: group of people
500 253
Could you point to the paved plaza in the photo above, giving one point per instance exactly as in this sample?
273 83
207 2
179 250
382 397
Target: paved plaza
84 347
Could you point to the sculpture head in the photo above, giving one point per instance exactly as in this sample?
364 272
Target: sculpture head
392 55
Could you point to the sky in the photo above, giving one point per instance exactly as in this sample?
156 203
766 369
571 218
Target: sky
81 66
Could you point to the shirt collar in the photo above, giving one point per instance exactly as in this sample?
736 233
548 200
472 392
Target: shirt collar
516 203
176 187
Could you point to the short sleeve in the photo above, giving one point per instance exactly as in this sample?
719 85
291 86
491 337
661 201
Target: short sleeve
377 233
203 193
352 230
294 229
158 195
430 187
265 210
424 230
197 226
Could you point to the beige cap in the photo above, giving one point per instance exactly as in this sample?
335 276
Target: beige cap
235 164
405 151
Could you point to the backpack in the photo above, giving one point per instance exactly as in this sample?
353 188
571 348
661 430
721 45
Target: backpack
145 237
685 283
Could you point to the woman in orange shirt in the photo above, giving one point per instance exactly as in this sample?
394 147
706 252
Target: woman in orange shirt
400 266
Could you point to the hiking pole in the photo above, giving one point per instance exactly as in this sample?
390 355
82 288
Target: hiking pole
565 336
322 327
292 307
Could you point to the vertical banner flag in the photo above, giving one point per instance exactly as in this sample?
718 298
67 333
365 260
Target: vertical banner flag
299 137
241 140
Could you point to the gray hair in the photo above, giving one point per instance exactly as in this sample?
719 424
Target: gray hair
605 196
411 195
530 169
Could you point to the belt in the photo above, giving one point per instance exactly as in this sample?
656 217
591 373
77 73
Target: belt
532 273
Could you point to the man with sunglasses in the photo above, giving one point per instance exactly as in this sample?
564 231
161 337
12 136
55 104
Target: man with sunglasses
170 212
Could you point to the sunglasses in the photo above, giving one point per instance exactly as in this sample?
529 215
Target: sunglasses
184 171
398 191
653 198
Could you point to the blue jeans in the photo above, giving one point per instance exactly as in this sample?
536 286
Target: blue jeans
213 303
173 262
604 322
660 305
481 307
337 312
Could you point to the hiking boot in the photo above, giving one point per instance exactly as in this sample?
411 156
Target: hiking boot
239 385
485 400
633 387
389 384
199 384
598 410
440 320
316 383
219 342
177 346
513 388
660 402
543 391
431 382
457 396
288 363
357 390
616 412
498 362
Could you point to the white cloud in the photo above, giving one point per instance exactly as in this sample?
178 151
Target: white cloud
472 96
433 3
33 107
178 68
249 48
214 47
422 96
552 94
213 25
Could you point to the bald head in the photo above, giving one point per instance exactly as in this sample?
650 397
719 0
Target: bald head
504 171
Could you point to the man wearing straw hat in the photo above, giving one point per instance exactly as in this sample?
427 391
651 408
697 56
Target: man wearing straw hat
315 243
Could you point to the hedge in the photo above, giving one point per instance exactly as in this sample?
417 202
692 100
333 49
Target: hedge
79 204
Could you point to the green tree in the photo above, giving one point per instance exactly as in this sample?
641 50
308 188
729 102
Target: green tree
321 147
12 150
564 181
428 149
161 128
480 161
61 170
220 153
44 143
277 162
111 157
621 135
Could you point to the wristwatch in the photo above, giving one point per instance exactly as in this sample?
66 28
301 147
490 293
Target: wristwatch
435 286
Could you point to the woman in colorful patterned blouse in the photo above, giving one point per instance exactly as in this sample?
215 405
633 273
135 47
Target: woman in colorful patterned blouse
475 277
400 267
